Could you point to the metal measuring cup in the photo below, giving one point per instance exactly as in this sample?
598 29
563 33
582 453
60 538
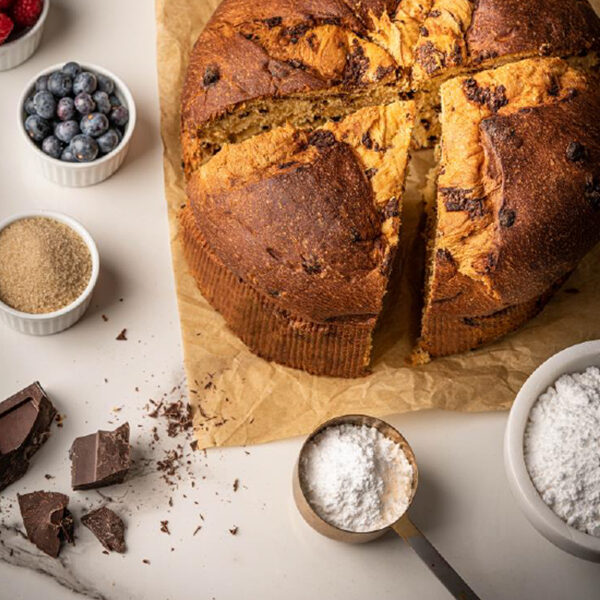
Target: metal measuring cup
403 526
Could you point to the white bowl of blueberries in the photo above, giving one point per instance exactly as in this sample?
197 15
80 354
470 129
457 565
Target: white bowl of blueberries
78 120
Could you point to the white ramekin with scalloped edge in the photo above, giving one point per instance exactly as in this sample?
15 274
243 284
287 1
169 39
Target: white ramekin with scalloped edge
18 51
572 360
85 173
53 322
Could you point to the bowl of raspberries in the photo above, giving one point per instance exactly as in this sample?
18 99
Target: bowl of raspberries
21 28
78 120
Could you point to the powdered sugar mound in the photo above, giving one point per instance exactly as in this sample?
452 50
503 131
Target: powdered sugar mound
562 449
356 478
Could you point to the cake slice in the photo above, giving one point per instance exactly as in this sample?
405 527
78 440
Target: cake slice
292 234
518 199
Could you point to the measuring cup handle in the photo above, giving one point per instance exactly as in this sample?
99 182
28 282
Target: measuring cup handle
453 582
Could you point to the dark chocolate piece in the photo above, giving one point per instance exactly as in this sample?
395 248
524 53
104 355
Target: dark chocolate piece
108 527
100 459
47 520
25 420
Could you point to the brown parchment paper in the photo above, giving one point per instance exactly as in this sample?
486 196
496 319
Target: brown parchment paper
239 398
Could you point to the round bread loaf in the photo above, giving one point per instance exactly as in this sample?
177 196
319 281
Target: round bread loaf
297 116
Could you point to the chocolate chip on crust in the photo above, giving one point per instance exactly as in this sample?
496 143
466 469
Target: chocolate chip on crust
507 217
576 152
311 265
458 199
211 75
494 98
272 22
592 190
321 139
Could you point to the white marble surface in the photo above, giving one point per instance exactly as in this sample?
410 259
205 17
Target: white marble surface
463 504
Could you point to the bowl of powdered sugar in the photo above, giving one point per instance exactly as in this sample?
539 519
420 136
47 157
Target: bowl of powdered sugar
552 449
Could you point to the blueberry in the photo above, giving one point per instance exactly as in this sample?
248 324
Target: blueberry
52 146
60 84
65 131
41 83
105 84
67 155
119 116
37 128
65 109
109 141
72 69
85 82
84 148
29 106
114 100
84 103
45 104
94 124
102 102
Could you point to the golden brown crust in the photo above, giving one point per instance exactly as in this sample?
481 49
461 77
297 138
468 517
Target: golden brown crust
460 35
506 233
544 27
338 348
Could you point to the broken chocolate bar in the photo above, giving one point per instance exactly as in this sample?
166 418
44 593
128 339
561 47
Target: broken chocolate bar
47 520
25 420
108 527
100 459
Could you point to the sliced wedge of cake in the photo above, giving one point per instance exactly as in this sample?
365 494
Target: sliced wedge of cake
518 199
292 234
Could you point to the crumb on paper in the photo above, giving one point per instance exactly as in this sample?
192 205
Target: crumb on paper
122 336
236 485
234 530
164 527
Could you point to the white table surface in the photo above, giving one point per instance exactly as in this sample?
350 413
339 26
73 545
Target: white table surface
463 503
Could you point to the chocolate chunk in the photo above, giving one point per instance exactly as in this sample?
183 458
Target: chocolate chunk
25 420
458 199
494 98
108 527
321 139
576 152
211 75
47 520
506 217
424 31
434 14
356 65
370 173
592 190
272 22
367 141
311 265
100 459
432 59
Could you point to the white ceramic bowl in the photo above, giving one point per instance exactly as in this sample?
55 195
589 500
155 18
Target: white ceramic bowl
18 51
49 323
88 173
572 360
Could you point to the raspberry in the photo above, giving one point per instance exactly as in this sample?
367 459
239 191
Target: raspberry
5 4
6 26
27 12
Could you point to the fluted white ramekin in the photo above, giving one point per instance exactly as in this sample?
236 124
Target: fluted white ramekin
18 51
53 322
89 173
